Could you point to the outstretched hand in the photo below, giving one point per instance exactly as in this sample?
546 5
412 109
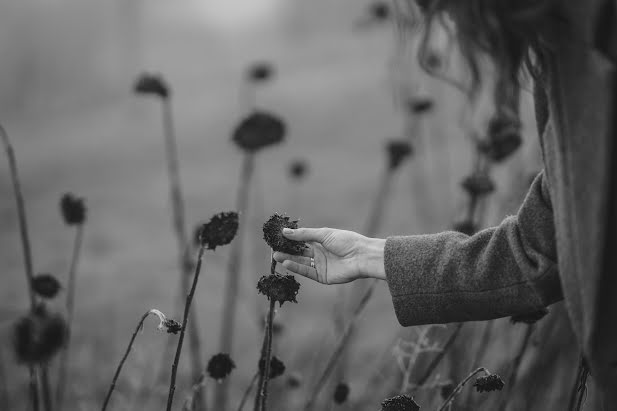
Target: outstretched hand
339 256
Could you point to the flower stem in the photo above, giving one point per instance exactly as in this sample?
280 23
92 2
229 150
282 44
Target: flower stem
124 357
516 365
263 389
340 346
45 388
579 391
440 356
70 303
198 387
187 307
459 387
233 275
34 388
248 391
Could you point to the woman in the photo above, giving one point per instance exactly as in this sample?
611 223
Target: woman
559 245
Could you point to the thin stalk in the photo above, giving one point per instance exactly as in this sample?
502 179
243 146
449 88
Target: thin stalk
196 390
25 242
459 387
377 211
263 389
70 303
579 390
516 364
440 356
187 308
248 390
45 388
124 357
179 226
340 346
233 275
261 373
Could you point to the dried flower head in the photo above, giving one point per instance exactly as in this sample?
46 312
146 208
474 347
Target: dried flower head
341 393
504 138
400 403
220 366
420 105
46 285
529 318
298 169
488 383
273 234
466 227
294 380
260 72
398 151
478 184
221 229
171 326
73 209
277 367
259 130
379 10
279 288
38 336
151 84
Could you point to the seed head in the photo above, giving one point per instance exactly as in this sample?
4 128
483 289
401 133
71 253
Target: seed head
420 105
273 234
466 227
279 288
220 366
46 285
504 138
259 130
529 318
488 383
400 403
478 184
152 84
171 326
73 209
379 11
341 392
398 151
221 229
298 169
277 367
38 336
260 72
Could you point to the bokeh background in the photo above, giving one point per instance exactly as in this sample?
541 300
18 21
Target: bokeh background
67 69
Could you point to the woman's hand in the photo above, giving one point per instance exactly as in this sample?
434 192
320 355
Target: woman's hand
339 256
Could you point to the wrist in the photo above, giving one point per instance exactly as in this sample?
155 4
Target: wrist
371 259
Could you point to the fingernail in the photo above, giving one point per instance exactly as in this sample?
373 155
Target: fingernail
287 231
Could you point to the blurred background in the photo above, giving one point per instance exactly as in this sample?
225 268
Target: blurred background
342 82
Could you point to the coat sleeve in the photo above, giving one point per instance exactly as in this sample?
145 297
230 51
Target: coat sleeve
450 277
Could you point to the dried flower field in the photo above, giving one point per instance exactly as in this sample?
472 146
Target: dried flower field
370 144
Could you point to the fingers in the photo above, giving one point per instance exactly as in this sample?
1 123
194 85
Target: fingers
307 234
281 257
301 269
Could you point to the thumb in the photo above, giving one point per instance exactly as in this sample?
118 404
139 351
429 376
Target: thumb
306 234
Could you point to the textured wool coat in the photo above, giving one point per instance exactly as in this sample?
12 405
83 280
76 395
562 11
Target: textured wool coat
560 244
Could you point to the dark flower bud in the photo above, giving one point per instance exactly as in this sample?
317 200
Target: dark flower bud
399 403
46 285
294 380
73 209
478 184
277 367
260 72
151 84
379 11
273 234
279 288
39 336
466 227
488 383
529 318
398 151
298 169
259 130
221 229
420 105
504 138
172 326
446 390
341 392
220 366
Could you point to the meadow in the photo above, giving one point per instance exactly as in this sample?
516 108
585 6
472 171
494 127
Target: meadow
343 92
